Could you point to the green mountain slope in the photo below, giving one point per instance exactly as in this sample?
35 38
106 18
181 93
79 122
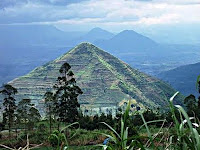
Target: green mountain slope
104 79
183 78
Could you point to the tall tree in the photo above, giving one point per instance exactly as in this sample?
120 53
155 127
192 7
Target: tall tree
191 104
9 105
66 94
22 112
27 114
199 93
33 117
49 103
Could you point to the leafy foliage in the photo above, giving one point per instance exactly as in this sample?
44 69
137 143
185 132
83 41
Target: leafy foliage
50 107
66 95
27 114
58 139
9 105
121 140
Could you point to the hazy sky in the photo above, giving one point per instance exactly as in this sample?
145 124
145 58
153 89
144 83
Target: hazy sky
113 15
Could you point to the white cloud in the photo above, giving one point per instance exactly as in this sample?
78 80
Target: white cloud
178 2
105 13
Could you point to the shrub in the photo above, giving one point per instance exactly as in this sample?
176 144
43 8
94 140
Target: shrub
183 136
58 139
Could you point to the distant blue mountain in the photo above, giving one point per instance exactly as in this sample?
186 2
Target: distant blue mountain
147 55
22 35
127 41
97 34
92 36
24 47
183 78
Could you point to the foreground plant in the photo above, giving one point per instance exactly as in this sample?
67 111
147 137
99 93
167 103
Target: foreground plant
121 141
27 147
187 136
58 139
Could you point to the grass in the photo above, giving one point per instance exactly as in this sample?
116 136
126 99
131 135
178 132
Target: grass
185 136
180 135
84 137
121 140
71 148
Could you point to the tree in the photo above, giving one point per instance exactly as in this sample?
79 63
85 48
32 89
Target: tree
27 114
191 104
33 117
66 94
199 92
22 112
49 103
8 92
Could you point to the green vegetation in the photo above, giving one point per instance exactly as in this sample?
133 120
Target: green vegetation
132 126
182 78
66 95
9 105
150 132
27 115
103 78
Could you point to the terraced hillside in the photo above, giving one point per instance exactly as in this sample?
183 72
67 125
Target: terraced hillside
104 79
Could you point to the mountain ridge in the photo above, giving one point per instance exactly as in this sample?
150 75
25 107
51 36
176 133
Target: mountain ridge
93 35
127 40
36 47
182 78
104 79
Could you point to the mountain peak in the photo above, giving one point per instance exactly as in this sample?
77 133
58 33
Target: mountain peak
128 32
104 79
94 35
129 41
99 33
97 29
83 44
83 47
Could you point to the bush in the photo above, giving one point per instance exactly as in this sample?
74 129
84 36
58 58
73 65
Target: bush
54 138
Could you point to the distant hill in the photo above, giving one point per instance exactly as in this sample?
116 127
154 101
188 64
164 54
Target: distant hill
24 47
104 79
34 35
18 61
92 36
183 78
127 41
148 56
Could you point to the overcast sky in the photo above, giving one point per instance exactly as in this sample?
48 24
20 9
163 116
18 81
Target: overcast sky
109 14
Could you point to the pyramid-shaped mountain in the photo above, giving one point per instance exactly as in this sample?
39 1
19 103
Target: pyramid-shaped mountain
104 79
